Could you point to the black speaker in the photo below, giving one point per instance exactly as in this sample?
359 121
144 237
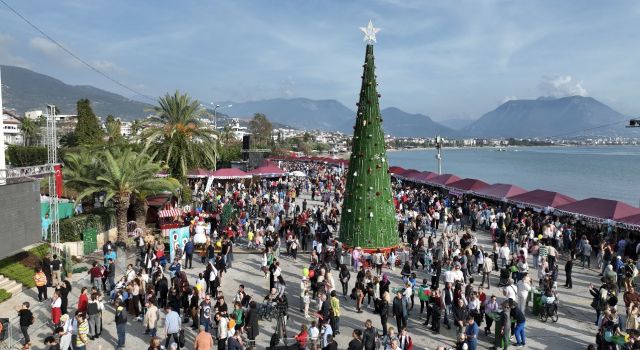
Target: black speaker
246 145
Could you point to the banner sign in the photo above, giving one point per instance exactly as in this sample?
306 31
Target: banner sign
178 237
58 174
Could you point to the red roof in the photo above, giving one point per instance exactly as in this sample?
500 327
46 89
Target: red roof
542 198
424 176
196 173
443 180
631 220
468 184
500 191
409 174
600 208
397 170
229 173
268 171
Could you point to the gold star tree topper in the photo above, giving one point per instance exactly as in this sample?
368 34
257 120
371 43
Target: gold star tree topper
370 33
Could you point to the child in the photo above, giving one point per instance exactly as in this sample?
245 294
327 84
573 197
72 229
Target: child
307 300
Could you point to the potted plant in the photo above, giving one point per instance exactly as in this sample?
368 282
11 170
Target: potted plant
68 262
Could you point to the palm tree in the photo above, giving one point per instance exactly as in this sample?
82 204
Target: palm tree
119 175
30 131
178 137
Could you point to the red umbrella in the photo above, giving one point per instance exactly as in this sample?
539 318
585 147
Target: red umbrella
198 173
424 176
268 171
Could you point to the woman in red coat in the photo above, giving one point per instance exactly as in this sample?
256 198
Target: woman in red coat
56 312
83 300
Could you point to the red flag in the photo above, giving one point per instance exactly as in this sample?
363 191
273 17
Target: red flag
58 172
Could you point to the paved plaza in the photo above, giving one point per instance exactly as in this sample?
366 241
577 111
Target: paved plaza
574 330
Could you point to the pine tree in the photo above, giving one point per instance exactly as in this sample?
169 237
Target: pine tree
88 130
368 215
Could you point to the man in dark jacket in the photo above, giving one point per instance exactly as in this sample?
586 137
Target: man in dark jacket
121 323
356 342
188 251
400 311
369 336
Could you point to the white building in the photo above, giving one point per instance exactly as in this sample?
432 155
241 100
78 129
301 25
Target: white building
34 115
12 133
125 129
237 130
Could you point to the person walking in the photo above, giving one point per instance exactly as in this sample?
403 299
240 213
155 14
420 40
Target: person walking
150 321
384 312
121 323
334 315
369 336
172 326
486 272
519 329
56 271
221 337
568 268
251 327
400 310
94 308
82 338
471 333
41 283
344 277
203 340
26 320
189 247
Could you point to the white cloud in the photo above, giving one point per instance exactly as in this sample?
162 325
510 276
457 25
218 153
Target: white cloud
562 86
55 53
6 57
508 98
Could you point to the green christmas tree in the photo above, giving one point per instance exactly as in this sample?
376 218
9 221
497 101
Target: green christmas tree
368 214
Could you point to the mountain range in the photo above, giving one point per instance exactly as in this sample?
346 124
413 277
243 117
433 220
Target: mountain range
573 116
25 90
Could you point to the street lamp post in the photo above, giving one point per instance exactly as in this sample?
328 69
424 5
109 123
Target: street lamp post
438 142
215 117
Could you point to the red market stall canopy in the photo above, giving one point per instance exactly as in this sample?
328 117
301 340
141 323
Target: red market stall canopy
169 213
468 184
443 180
396 170
198 173
424 176
268 171
499 191
600 209
409 174
541 199
632 222
230 174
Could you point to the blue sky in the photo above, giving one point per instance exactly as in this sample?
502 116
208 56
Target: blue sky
446 59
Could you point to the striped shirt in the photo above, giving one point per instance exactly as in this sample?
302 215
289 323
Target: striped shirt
83 333
543 252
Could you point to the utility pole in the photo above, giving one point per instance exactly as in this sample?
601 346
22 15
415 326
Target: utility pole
438 141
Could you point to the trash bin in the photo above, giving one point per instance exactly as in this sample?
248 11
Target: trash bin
537 301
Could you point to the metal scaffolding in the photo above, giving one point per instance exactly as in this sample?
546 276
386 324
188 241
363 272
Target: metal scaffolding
52 160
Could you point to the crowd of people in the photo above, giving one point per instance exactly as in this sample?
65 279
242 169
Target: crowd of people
478 290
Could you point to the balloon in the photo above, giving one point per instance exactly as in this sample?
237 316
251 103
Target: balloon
312 273
305 272
539 236
219 244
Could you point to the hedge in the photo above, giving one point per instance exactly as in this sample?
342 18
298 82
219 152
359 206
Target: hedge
20 156
21 266
4 295
101 219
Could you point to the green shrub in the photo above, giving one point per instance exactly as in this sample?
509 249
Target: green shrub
16 271
20 156
40 251
80 269
4 295
71 228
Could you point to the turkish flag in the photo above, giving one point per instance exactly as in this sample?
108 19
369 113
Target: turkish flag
58 172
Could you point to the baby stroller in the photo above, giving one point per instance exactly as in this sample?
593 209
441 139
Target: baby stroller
505 274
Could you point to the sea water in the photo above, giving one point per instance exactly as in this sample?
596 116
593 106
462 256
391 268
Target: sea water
611 172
